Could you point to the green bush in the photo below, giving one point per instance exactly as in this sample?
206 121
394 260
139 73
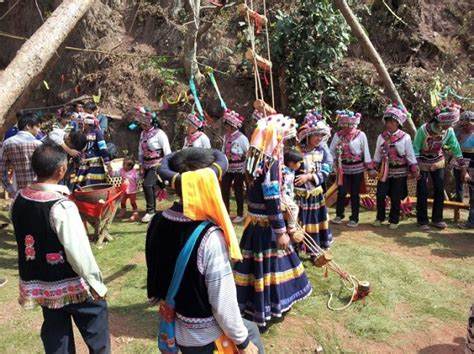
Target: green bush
306 44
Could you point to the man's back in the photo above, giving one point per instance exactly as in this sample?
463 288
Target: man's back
17 152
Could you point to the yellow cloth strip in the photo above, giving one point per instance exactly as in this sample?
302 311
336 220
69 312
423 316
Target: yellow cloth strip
268 279
202 199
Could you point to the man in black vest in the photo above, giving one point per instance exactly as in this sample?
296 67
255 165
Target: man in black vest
206 302
57 268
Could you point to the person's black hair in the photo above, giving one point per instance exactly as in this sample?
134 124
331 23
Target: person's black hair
191 159
19 114
78 140
90 106
129 161
77 103
28 120
46 159
293 156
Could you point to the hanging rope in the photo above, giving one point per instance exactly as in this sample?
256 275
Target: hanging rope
267 34
350 282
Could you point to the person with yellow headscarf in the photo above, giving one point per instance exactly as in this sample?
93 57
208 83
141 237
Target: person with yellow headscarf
204 307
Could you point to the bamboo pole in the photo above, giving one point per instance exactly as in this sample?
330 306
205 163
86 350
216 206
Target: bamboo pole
372 54
33 57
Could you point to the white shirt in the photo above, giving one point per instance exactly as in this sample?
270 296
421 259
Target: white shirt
201 142
404 148
217 271
156 142
57 135
359 146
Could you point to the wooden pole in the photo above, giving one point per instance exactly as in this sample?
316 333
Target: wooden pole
372 53
32 58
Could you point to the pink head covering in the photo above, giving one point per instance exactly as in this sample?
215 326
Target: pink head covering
348 119
447 114
233 118
194 120
396 111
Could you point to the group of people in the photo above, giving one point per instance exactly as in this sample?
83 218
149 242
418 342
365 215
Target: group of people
213 291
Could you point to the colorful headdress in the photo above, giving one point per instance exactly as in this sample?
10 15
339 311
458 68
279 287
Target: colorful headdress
233 118
146 115
266 143
467 117
195 121
313 115
314 126
348 119
447 114
398 112
257 115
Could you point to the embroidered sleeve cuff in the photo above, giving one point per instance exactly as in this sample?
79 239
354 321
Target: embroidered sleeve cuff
271 190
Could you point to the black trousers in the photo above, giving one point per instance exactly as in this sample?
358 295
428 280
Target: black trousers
149 189
254 336
238 180
90 317
437 177
459 185
351 185
396 189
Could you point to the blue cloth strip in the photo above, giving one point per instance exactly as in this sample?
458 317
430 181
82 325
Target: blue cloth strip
192 86
181 263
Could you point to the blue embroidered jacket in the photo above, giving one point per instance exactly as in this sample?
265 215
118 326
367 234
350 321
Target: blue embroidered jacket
319 163
96 145
264 198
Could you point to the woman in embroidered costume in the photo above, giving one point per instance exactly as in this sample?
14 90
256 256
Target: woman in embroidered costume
465 134
235 147
429 142
395 158
91 169
153 146
350 150
195 136
317 165
271 277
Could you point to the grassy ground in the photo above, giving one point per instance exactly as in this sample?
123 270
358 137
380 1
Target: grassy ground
422 289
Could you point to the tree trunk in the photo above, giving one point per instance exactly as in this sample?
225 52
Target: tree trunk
190 44
30 61
372 53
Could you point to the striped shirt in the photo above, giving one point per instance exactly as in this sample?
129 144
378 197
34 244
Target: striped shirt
17 152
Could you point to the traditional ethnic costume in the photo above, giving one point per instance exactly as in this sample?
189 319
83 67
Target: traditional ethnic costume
91 169
206 308
197 139
57 269
235 147
395 158
153 146
313 214
269 280
429 142
465 134
350 150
